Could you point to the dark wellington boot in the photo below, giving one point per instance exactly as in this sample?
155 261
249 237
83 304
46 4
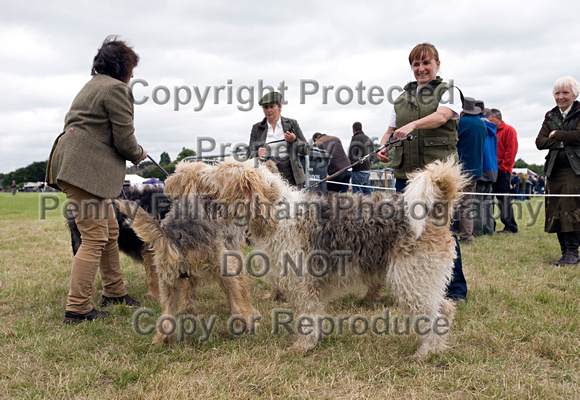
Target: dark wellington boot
571 240
562 241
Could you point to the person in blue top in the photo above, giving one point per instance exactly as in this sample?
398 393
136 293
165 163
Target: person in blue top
483 222
515 184
540 185
471 136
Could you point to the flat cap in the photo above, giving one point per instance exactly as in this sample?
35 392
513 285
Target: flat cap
271 98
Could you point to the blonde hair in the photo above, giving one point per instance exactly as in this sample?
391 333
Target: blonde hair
567 82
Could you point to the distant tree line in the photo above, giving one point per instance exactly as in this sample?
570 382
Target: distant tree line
150 170
538 169
35 172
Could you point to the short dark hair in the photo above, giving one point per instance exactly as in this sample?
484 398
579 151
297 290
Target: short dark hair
357 127
316 136
115 59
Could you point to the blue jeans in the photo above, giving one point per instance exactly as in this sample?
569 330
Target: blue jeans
361 178
457 288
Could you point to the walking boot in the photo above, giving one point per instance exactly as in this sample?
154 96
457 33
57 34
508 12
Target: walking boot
74 318
561 240
127 300
571 240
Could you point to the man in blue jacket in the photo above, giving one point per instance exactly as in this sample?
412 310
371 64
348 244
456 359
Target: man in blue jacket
471 136
483 223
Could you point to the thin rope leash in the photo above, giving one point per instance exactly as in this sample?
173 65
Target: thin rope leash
158 166
362 159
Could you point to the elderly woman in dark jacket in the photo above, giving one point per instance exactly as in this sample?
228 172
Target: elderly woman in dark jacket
88 164
560 134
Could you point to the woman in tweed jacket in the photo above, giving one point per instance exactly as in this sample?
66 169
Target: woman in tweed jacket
88 164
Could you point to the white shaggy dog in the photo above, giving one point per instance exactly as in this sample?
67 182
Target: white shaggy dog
401 241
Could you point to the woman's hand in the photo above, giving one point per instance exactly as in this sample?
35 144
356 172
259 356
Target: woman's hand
552 134
142 158
262 151
289 137
382 155
404 130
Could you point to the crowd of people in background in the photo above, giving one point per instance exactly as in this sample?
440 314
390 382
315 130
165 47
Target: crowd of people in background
559 134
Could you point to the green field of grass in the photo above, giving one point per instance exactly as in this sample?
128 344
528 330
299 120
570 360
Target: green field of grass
517 336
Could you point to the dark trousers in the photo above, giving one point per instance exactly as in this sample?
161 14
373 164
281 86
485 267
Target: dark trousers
285 168
457 288
502 185
343 178
483 223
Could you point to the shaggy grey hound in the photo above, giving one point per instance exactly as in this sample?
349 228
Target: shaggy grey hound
401 241
189 243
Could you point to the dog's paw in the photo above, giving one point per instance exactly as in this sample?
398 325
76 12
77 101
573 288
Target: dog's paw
167 328
420 356
432 344
302 345
274 295
253 321
448 309
153 295
164 339
188 310
373 293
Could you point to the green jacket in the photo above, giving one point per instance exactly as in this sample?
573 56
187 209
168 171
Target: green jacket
429 144
298 147
97 139
567 133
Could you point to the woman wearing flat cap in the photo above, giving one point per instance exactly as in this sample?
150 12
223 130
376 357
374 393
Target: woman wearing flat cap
560 135
279 139
87 163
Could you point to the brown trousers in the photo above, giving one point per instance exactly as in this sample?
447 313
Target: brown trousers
95 218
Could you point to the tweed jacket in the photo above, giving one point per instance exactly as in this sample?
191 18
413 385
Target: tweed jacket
567 135
97 140
298 147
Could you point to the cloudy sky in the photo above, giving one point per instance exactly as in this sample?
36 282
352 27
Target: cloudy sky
337 62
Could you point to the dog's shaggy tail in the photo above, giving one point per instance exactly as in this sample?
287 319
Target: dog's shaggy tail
148 229
431 193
